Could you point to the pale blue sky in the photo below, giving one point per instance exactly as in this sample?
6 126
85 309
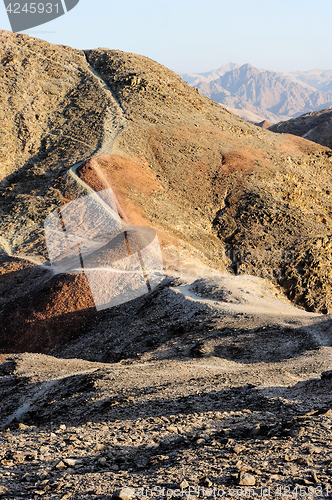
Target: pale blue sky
200 35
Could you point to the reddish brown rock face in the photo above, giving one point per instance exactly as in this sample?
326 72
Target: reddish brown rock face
122 175
48 316
264 124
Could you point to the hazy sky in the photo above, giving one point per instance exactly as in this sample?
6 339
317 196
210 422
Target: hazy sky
200 35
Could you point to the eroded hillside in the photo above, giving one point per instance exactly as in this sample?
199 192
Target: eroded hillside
219 191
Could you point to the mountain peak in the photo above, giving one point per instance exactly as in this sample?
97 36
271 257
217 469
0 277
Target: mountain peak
227 67
248 68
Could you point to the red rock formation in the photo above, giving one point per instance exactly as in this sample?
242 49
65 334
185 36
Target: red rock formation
48 316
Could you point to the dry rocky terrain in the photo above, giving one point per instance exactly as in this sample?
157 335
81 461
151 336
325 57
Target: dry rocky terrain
315 126
192 387
220 377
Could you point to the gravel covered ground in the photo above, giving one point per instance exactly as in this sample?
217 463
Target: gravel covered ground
174 421
228 450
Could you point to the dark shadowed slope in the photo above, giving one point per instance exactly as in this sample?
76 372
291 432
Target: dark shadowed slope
315 126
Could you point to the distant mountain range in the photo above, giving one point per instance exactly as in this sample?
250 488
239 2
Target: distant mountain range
258 94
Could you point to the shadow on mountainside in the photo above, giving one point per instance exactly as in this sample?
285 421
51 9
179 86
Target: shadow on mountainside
84 397
163 324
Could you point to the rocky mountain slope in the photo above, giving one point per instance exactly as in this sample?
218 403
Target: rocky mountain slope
258 95
91 430
212 379
315 126
219 191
